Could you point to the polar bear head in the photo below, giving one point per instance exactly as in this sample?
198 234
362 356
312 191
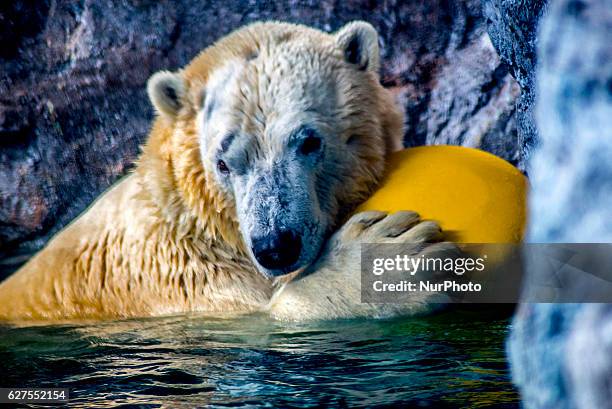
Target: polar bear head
292 128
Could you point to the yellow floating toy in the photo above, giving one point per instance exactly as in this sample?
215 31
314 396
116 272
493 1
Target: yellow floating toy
476 197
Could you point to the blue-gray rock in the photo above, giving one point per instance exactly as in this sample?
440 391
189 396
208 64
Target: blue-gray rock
536 348
561 355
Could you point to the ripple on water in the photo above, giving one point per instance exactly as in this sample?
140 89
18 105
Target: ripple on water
454 359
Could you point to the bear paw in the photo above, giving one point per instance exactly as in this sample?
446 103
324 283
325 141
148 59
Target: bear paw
331 287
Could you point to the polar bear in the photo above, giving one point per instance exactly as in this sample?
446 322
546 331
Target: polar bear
262 147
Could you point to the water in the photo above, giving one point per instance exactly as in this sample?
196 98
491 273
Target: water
453 359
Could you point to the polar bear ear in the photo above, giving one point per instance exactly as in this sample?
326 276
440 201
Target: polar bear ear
166 91
359 42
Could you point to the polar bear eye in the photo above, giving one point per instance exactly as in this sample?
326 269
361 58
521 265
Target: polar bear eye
310 144
222 167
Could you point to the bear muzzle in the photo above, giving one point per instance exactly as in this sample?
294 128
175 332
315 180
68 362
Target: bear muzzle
278 251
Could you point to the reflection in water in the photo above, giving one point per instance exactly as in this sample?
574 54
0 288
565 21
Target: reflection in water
448 360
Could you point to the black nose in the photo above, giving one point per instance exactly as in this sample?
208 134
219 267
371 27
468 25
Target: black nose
278 250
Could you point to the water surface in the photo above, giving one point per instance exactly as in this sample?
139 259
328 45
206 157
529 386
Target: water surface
453 359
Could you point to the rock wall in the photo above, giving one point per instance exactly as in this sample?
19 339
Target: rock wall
560 354
73 108
512 27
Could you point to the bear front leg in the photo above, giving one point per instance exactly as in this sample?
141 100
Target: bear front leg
331 287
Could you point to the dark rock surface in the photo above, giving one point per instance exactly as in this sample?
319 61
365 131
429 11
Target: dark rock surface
73 107
513 26
560 354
